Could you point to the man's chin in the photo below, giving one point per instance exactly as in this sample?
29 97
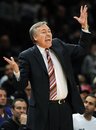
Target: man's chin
49 45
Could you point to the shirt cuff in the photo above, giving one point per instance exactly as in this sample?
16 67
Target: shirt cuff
17 75
86 31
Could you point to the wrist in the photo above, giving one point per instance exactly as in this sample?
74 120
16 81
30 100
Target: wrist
85 27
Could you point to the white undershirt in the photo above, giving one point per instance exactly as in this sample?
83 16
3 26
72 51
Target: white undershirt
61 81
80 123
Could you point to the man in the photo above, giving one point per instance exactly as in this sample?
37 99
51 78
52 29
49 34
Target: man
5 111
89 64
7 81
86 121
19 118
54 92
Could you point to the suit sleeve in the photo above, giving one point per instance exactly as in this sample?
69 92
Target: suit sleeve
24 71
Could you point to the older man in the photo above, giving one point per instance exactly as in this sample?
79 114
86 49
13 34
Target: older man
48 67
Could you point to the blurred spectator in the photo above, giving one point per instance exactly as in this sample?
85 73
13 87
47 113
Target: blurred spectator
5 111
6 49
84 85
89 63
84 94
19 118
8 81
8 73
86 121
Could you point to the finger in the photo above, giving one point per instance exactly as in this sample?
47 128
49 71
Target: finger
8 60
12 59
75 17
81 9
85 9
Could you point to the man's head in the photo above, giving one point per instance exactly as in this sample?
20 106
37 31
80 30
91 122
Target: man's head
90 104
41 34
3 97
19 107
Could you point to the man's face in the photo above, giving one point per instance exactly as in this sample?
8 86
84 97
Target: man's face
19 108
90 105
43 36
3 97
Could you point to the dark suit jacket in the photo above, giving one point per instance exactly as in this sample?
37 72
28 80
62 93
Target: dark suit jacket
32 67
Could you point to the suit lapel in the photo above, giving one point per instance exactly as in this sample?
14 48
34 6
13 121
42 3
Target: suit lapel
62 58
39 58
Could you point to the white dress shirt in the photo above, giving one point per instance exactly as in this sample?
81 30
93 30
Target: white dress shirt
61 81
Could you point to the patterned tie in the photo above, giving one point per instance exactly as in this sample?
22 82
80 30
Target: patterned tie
52 79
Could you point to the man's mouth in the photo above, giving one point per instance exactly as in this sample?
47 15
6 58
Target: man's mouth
48 40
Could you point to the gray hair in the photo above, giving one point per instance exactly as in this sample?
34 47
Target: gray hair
33 29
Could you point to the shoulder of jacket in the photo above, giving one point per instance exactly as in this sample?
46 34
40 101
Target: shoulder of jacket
57 40
27 51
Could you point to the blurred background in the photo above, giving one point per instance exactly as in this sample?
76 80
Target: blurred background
17 16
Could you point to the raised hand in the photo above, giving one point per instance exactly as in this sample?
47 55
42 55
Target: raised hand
82 19
12 63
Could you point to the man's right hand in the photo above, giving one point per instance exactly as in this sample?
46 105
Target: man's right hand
23 119
12 63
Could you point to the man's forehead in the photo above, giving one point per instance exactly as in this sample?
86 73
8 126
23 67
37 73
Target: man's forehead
2 92
20 103
90 99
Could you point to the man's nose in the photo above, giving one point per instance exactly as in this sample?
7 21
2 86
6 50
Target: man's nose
3 97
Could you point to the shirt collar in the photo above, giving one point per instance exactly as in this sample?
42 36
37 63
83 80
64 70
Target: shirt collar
41 49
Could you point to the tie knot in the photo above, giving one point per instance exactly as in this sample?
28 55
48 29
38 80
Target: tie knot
47 52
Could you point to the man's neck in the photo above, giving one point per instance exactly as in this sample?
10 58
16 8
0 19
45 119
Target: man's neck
87 116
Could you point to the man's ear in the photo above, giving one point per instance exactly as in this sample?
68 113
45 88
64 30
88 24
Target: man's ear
35 37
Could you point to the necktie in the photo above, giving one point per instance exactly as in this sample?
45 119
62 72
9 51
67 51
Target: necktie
52 79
